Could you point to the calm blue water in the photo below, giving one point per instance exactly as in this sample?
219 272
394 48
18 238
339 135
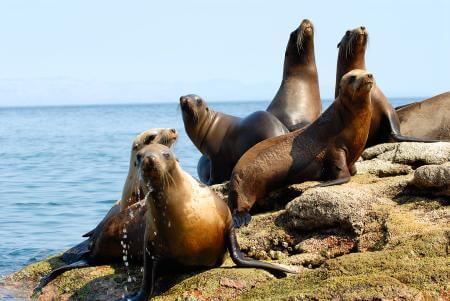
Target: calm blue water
61 169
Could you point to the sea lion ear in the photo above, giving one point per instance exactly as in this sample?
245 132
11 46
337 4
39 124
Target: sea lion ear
339 44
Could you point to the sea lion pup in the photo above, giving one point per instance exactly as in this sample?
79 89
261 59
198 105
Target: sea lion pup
428 119
224 138
297 102
104 243
187 223
385 125
325 150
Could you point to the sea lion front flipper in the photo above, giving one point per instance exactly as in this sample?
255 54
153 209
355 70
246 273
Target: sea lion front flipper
56 272
239 259
241 219
149 279
337 169
337 181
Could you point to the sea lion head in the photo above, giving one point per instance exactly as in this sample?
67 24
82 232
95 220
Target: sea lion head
353 43
156 164
300 41
356 84
152 136
197 117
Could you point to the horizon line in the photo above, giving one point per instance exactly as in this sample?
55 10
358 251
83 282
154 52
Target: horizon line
165 102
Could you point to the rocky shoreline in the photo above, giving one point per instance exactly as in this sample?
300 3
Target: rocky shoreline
383 236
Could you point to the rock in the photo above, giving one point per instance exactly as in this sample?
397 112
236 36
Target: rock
324 233
337 206
410 153
381 168
433 176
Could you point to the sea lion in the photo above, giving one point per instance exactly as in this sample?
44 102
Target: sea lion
297 102
385 125
106 241
326 150
131 190
427 119
224 138
204 169
186 224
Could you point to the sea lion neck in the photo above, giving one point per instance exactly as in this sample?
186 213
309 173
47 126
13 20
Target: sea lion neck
302 61
346 64
203 129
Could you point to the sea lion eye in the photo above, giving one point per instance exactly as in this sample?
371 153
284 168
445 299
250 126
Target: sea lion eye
199 101
347 33
352 78
149 139
166 155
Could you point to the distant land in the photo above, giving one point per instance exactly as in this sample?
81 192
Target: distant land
65 91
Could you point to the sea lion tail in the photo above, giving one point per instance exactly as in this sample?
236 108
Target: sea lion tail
239 259
56 272
78 252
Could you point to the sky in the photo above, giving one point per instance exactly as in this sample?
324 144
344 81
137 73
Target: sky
109 51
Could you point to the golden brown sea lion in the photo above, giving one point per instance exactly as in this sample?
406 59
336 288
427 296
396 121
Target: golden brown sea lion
325 150
187 223
224 138
297 102
105 243
385 125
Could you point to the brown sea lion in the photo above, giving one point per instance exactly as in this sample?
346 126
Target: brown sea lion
297 102
224 138
385 125
427 119
106 242
187 223
325 150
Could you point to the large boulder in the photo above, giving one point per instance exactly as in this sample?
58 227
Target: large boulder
436 177
410 153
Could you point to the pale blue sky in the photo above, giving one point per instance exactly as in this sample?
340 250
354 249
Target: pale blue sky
87 51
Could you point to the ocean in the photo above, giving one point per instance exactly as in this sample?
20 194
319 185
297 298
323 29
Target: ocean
61 169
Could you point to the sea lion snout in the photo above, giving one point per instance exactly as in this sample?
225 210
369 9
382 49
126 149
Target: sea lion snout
306 27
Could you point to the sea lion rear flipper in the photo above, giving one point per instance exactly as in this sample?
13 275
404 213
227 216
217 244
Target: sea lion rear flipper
398 137
77 253
239 259
56 272
241 219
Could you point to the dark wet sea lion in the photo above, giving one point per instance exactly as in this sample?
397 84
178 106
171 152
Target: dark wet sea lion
428 119
224 138
204 169
105 241
186 224
297 102
325 150
385 125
